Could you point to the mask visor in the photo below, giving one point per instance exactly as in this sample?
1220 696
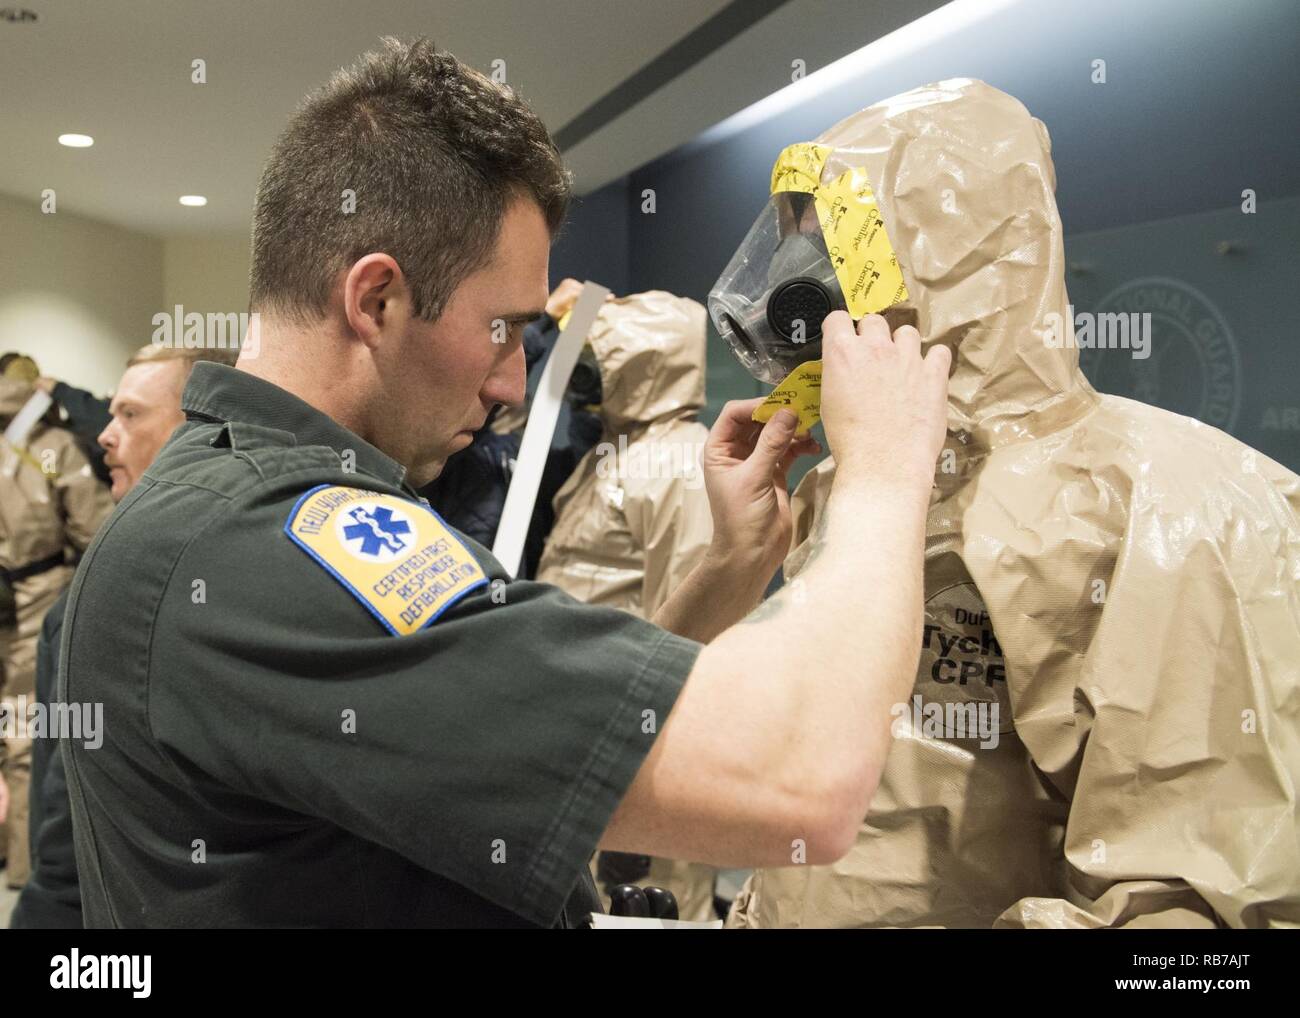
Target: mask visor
770 301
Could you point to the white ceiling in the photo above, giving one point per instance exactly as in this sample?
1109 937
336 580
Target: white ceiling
120 70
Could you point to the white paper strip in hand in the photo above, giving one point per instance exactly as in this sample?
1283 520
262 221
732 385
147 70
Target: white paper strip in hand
545 411
23 421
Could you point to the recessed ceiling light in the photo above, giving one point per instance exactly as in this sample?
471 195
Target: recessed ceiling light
193 199
76 140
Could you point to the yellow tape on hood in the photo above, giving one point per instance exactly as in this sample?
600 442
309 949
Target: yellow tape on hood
859 247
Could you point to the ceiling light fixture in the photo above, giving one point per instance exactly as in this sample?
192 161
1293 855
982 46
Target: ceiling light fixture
194 200
76 140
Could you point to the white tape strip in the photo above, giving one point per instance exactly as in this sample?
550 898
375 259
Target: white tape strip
21 425
545 411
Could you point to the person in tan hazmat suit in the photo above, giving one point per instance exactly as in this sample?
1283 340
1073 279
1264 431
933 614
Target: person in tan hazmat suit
51 504
1120 583
633 519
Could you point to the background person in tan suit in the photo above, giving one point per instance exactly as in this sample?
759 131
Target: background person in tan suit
51 504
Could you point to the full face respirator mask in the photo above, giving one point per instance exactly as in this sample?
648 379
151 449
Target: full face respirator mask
815 248
585 390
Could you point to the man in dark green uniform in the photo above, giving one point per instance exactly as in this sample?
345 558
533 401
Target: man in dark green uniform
324 707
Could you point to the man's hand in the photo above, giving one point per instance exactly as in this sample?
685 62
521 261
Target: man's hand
884 406
46 385
562 298
745 473
745 467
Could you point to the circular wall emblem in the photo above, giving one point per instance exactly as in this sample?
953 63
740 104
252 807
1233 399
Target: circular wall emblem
1194 367
374 532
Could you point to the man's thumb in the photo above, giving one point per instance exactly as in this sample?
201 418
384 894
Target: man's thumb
773 442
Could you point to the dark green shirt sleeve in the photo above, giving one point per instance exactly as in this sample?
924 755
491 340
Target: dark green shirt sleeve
490 747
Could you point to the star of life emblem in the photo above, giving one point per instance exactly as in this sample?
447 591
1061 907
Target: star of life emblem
374 532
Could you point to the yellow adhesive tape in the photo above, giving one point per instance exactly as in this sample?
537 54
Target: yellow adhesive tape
864 260
801 391
799 167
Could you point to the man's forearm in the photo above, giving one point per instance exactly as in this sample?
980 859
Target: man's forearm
819 665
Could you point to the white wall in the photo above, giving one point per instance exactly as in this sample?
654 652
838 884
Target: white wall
79 295
207 273
76 294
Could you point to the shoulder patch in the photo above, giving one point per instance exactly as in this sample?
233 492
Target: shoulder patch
395 556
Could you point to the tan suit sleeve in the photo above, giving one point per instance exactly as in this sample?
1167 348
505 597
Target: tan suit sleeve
671 521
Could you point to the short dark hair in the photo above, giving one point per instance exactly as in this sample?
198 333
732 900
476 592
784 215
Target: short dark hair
434 152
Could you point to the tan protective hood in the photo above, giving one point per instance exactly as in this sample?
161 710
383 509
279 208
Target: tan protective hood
1121 583
964 178
633 518
650 347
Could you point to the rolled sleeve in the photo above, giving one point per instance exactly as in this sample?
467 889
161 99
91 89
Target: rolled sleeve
609 769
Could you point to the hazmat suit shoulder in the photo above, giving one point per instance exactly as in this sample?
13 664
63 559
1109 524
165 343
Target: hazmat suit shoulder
1155 677
1112 586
